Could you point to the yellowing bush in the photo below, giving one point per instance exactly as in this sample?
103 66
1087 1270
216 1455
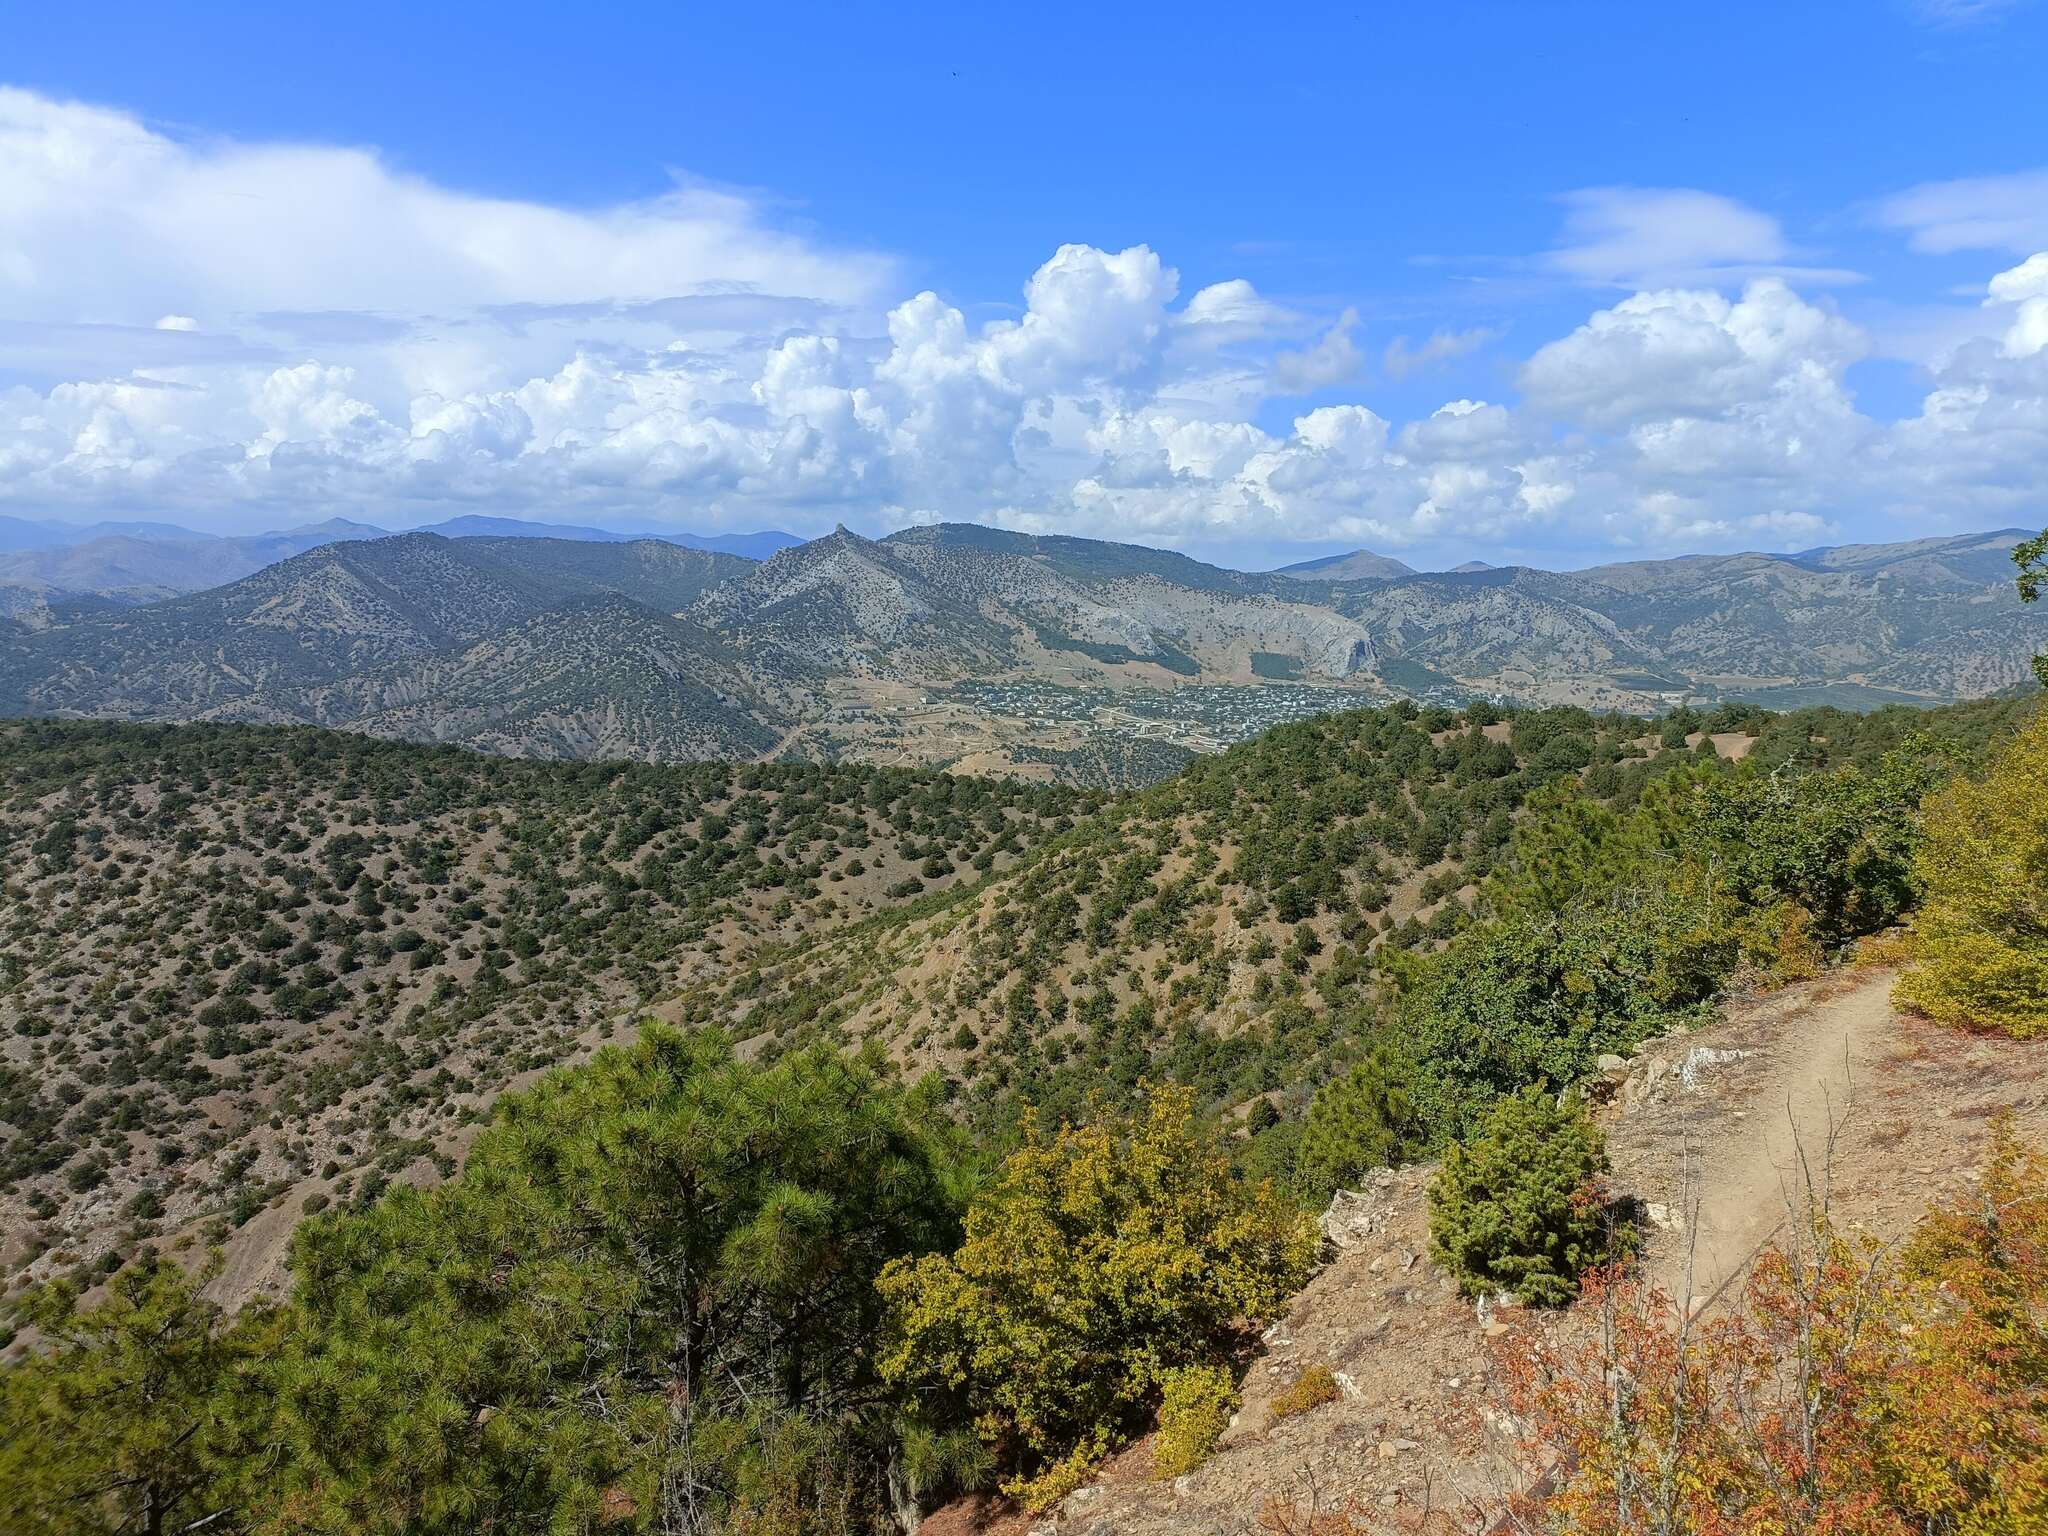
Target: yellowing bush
1099 1264
1194 1409
1843 1389
1314 1387
1982 936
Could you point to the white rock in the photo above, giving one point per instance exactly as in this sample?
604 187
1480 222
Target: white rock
1351 1219
1703 1058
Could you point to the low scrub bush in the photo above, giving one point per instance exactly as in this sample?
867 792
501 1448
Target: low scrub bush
1520 1207
1847 1389
1315 1386
1363 1120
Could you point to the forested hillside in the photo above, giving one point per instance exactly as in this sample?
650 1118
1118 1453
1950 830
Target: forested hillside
1247 922
995 1123
233 960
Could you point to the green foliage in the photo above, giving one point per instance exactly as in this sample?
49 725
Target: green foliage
1098 1260
139 1415
1195 1405
1605 925
2032 559
1838 844
1531 999
1565 843
652 1290
935 1461
1362 1120
1519 1207
1981 940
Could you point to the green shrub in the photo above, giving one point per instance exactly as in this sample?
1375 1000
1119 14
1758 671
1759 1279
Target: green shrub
1532 999
1098 1261
1519 1208
1982 937
937 1461
1195 1405
1360 1121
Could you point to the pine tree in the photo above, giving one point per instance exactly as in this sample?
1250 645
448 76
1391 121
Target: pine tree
1519 1207
1363 1120
650 1299
140 1415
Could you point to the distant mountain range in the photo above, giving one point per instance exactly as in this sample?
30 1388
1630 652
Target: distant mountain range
19 533
1358 565
644 648
531 646
753 546
1930 619
143 562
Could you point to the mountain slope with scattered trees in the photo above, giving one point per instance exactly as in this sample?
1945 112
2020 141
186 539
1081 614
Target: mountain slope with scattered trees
984 1127
236 960
681 654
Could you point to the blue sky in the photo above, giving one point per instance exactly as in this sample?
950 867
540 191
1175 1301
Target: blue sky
1793 219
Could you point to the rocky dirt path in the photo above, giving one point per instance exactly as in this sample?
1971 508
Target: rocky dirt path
1778 1125
1820 1091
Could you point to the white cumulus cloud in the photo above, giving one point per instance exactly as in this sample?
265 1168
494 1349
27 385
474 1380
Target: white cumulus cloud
312 333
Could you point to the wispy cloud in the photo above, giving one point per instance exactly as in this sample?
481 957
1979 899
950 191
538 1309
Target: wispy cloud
1964 13
108 219
1400 360
1652 237
1975 213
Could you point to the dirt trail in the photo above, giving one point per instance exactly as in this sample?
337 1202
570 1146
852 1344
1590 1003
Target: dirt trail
1805 1092
1734 1121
